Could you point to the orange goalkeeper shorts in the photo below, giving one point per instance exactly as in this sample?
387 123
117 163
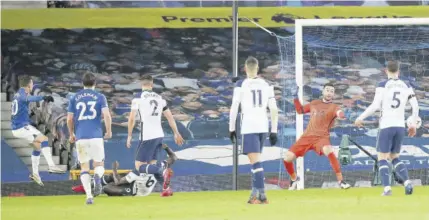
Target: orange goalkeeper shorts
307 142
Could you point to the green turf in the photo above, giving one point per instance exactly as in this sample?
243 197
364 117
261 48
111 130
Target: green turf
312 204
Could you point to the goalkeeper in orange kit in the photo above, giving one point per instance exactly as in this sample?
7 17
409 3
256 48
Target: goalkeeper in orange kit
316 136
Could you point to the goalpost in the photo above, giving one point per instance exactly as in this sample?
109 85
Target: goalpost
327 41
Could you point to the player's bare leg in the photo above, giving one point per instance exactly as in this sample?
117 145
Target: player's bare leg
43 144
289 166
85 178
257 195
384 171
401 170
329 153
98 174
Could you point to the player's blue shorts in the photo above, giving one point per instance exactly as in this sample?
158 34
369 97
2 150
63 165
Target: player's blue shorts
148 150
253 143
390 140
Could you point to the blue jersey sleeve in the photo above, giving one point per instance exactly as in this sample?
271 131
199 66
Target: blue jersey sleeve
31 98
103 102
71 108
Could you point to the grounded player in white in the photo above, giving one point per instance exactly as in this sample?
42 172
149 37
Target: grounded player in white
254 95
86 129
22 129
150 107
391 97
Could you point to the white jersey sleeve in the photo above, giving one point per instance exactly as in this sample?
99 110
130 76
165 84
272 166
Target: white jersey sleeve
236 99
414 104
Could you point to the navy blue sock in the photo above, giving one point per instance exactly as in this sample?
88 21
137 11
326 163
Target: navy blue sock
383 168
136 172
400 169
36 153
149 169
160 178
258 177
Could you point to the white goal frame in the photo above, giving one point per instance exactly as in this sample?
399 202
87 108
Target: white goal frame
299 24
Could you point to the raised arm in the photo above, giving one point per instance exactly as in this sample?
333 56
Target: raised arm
34 98
299 108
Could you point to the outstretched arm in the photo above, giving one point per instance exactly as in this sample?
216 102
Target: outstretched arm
375 105
34 98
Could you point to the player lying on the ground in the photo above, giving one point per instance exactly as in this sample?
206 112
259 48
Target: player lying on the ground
316 136
151 106
254 96
22 129
84 119
391 96
131 184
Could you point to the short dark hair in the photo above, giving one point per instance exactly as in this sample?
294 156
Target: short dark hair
24 80
147 78
393 66
329 84
88 79
251 61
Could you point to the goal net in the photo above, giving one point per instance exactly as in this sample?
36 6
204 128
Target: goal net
352 54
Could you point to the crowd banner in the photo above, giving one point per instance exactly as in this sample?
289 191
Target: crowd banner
192 17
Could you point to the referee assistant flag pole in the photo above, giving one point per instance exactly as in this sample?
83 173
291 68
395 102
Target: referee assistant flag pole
235 74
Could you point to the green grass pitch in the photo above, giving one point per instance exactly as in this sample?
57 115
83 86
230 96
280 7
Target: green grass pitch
311 204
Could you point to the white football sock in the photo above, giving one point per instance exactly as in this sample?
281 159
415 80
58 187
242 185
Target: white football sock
407 182
99 171
387 188
86 182
35 160
48 156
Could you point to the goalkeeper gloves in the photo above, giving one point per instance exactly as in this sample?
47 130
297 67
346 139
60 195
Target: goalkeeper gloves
273 139
48 98
233 136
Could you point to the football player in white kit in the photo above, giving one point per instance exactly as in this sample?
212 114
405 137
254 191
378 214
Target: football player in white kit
391 97
85 128
150 107
254 95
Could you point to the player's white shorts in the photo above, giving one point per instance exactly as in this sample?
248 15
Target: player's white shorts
90 149
27 133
